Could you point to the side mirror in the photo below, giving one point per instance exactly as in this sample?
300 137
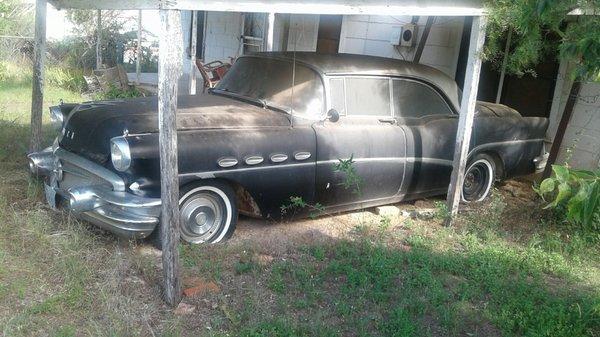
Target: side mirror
333 115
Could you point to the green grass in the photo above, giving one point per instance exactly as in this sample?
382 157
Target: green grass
508 269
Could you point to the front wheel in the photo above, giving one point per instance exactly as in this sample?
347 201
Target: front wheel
479 178
207 213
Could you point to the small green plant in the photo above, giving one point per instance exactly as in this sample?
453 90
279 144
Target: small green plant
577 192
297 203
352 180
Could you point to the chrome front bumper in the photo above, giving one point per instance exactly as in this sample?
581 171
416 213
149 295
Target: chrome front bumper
93 193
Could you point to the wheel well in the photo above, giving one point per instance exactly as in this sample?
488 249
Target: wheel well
499 163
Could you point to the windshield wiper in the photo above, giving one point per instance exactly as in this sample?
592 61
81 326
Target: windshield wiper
226 92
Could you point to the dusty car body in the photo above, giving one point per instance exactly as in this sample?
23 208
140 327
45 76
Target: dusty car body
274 128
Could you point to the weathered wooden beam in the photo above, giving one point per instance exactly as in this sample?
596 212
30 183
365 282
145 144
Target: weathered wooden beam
467 114
562 127
270 31
98 39
423 40
169 70
503 69
37 92
194 41
339 7
139 54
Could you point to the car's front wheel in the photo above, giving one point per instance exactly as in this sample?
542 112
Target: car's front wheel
207 213
479 178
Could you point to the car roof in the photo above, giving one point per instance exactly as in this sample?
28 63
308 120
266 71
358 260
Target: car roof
353 64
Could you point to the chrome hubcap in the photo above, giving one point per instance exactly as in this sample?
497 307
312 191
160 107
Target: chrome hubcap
202 215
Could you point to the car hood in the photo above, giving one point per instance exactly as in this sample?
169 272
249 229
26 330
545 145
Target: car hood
90 126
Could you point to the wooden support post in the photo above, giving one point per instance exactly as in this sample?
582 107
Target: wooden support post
467 113
193 40
270 31
504 63
99 39
138 56
423 40
169 71
37 93
562 127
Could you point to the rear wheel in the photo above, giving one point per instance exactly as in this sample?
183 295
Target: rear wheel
207 213
479 178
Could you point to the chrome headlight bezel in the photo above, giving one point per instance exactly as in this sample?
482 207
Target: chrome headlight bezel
120 154
57 118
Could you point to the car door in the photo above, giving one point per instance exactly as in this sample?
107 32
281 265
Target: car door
430 126
365 132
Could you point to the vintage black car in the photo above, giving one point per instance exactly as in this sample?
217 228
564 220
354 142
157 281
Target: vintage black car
274 128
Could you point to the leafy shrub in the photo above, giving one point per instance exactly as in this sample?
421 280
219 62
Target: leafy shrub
114 92
576 192
66 78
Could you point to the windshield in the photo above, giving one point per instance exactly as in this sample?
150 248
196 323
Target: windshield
270 81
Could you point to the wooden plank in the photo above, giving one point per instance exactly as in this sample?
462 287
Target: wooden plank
270 31
194 40
562 127
37 92
503 69
169 71
139 54
99 39
339 7
423 40
467 114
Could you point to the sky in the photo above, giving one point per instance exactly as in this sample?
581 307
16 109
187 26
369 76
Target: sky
58 26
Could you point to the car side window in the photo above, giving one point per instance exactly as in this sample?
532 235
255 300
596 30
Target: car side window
368 96
361 96
413 99
338 95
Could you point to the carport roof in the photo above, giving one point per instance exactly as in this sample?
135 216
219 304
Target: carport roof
347 7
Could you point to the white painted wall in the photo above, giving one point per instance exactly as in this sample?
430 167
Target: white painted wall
303 32
370 35
222 35
581 144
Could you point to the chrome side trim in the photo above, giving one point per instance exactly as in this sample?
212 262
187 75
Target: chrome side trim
508 142
301 155
278 157
227 162
253 160
117 183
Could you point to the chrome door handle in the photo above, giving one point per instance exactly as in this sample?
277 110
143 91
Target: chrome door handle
387 120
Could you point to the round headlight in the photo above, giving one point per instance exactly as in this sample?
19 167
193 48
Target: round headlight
56 118
120 154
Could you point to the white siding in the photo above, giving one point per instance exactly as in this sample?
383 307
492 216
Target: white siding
370 35
303 32
222 35
581 143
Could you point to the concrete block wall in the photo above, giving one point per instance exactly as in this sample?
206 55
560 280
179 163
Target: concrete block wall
581 144
370 35
222 35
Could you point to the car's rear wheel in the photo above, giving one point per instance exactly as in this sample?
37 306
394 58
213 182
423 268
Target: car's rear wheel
207 213
479 178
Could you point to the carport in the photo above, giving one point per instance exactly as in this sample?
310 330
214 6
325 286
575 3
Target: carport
170 69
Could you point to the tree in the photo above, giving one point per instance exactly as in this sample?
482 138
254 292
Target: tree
16 20
112 39
532 20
